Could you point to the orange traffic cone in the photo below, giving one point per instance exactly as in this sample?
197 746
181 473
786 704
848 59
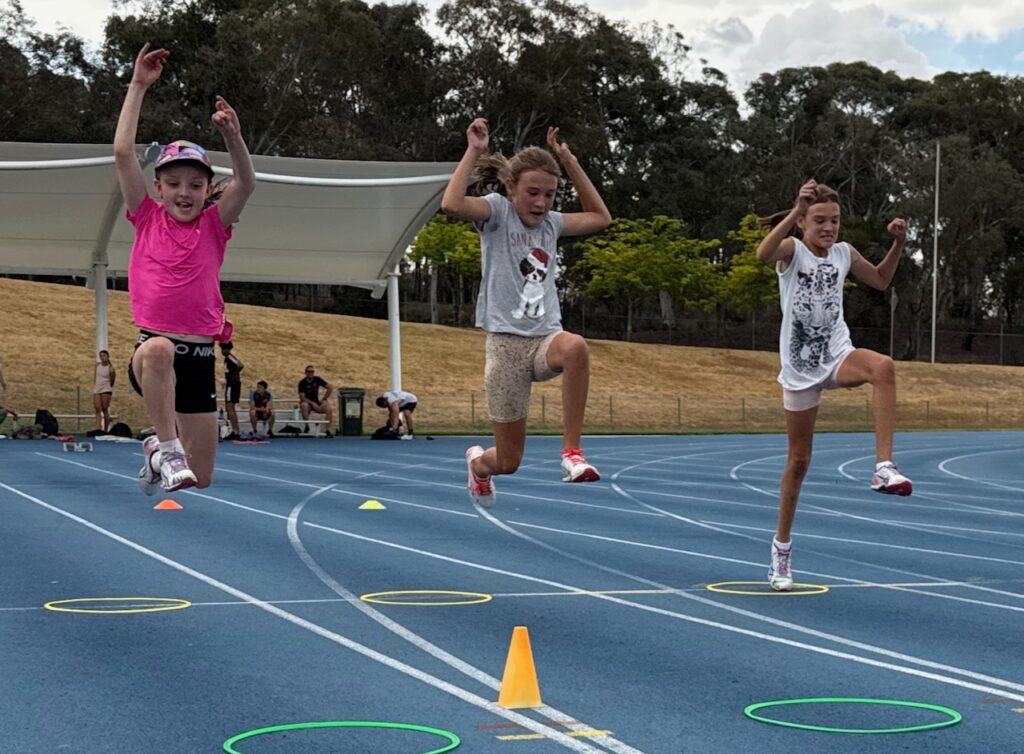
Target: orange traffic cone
167 505
519 687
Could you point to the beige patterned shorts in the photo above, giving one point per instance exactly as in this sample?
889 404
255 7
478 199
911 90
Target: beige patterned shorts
513 362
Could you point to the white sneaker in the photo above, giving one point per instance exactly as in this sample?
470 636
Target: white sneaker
175 473
149 479
481 491
780 578
575 467
888 479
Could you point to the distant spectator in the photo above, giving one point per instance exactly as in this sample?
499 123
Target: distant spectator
232 386
400 405
310 400
261 407
5 408
102 390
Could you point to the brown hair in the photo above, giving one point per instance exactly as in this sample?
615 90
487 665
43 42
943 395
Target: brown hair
822 195
493 171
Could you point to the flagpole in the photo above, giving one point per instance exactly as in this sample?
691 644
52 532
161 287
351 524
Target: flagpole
935 248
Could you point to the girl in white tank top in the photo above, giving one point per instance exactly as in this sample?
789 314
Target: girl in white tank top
815 348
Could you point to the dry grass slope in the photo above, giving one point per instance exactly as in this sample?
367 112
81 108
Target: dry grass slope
49 331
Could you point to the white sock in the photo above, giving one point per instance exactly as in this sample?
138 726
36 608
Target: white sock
782 545
171 446
880 464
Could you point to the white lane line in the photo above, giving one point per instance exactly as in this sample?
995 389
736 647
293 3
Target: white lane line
725 627
420 675
452 661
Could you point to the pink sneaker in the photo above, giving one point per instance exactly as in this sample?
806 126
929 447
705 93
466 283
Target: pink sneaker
481 491
575 467
888 479
175 473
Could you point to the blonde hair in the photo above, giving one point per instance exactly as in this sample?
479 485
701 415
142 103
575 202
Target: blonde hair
493 171
822 195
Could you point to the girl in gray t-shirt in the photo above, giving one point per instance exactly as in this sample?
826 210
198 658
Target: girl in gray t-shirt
815 347
518 303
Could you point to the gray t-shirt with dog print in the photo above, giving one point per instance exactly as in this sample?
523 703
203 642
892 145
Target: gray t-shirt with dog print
517 292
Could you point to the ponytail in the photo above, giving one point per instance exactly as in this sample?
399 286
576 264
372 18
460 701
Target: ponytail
822 195
492 171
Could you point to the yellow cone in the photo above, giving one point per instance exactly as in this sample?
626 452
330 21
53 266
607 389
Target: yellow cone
519 687
372 505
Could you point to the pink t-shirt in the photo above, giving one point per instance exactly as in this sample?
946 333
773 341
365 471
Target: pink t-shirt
174 270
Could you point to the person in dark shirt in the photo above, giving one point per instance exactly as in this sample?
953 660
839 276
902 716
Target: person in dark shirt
310 400
261 407
232 386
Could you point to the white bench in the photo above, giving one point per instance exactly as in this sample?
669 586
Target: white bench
282 418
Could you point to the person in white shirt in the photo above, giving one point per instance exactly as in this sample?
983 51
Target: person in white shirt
400 405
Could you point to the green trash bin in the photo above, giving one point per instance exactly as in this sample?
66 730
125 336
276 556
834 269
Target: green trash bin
350 410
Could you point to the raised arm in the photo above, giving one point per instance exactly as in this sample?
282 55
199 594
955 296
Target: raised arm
148 66
243 183
778 246
595 215
880 275
455 203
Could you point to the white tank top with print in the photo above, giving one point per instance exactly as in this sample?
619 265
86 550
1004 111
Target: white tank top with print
814 336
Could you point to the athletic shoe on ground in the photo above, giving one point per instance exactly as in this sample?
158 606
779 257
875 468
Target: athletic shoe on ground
481 491
575 467
405 437
174 472
888 479
148 479
780 578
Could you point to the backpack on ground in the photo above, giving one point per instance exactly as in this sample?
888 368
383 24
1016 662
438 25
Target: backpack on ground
384 433
120 429
47 421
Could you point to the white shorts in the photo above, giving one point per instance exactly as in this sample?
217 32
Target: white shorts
810 397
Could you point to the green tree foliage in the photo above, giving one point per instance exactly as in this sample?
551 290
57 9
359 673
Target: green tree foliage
663 137
749 285
635 259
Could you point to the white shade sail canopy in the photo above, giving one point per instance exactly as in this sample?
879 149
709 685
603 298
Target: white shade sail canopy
309 221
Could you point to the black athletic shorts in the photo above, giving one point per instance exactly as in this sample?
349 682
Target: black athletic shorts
232 392
195 380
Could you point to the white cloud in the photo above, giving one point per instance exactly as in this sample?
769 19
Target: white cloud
820 34
85 18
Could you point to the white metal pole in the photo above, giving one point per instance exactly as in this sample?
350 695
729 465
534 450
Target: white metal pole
394 330
99 278
935 248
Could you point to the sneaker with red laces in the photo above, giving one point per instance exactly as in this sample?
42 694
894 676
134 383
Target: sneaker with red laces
174 471
575 467
888 479
481 491
149 478
780 577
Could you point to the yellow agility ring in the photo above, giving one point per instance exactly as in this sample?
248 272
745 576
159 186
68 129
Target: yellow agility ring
735 587
150 605
459 598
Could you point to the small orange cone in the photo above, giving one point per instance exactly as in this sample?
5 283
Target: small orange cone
519 687
167 505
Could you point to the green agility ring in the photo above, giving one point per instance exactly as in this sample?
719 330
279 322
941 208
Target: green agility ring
953 715
451 738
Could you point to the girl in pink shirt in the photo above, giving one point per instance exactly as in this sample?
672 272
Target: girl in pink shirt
174 284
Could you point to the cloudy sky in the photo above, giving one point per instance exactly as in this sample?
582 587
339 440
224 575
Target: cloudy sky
745 37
